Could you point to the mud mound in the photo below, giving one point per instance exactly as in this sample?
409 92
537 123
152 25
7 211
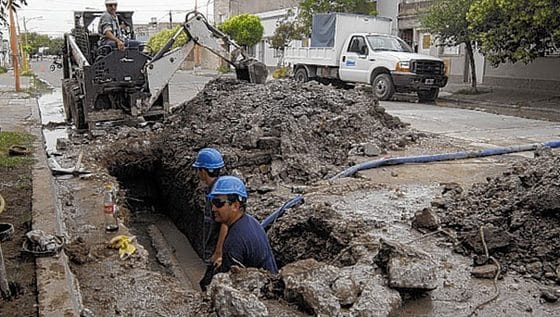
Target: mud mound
313 231
520 213
281 131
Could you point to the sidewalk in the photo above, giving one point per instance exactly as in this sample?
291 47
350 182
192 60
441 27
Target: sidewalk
8 82
513 98
57 290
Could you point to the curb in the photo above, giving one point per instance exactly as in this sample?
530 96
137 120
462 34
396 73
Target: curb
456 100
57 288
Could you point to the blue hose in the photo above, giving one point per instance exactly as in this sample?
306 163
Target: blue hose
443 157
413 159
280 211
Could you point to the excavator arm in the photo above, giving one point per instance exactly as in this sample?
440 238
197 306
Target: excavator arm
165 62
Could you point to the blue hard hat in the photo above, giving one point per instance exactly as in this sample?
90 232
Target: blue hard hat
209 158
227 185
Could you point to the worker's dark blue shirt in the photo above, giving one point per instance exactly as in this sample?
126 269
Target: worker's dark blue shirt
246 245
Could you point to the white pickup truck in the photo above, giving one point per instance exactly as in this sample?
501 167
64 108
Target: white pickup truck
359 49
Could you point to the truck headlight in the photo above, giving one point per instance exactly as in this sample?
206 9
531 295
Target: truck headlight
403 67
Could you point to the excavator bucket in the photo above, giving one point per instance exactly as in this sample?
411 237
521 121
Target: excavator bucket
252 71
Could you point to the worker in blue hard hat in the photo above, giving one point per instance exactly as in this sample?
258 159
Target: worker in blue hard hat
209 164
246 243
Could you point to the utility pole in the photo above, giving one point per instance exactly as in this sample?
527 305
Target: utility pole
13 45
170 20
23 47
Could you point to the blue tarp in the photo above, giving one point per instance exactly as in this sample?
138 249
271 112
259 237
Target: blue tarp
323 29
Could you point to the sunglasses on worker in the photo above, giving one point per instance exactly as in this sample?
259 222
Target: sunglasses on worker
218 202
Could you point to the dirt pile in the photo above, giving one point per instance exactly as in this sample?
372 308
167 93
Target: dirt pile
282 131
520 213
314 231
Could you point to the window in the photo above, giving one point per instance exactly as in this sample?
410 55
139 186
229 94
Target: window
387 43
357 45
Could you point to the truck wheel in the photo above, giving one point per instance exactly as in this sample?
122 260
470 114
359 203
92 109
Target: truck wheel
383 87
301 75
428 95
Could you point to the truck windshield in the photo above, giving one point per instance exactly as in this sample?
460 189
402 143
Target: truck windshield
388 43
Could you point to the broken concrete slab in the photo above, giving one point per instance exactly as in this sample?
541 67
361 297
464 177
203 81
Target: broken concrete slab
412 273
307 282
376 300
425 219
229 301
485 271
495 239
407 267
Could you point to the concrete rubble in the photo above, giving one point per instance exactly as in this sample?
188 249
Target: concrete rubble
519 214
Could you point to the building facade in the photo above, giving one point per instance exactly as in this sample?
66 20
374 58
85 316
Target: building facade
269 11
540 74
224 9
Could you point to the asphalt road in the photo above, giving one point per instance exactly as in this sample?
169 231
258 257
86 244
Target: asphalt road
477 127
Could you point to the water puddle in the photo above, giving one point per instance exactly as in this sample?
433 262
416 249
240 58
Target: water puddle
52 113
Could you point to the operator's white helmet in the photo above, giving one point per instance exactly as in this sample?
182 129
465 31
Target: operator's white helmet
110 1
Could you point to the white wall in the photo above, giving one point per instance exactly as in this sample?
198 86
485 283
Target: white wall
390 9
269 21
541 74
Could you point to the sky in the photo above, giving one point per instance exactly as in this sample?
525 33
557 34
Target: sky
54 17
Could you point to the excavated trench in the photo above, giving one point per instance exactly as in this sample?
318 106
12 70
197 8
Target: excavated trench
274 136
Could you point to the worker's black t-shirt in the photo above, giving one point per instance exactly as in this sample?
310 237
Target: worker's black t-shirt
247 244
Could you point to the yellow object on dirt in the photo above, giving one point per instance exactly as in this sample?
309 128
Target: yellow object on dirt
2 204
124 244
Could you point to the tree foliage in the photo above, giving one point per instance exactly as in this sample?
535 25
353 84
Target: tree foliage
158 40
56 45
448 20
285 32
245 29
287 29
516 30
308 8
16 4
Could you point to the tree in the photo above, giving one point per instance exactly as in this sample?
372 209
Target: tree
308 8
448 19
34 41
287 30
56 45
516 30
245 29
5 4
158 40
